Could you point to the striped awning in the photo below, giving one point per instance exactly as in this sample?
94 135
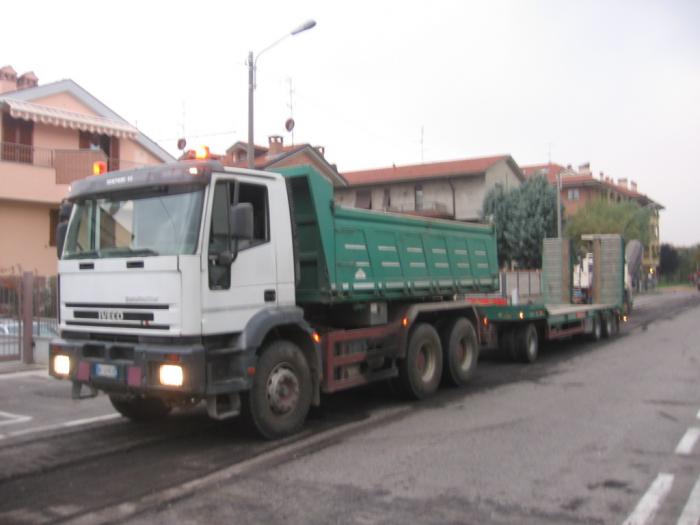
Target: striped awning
68 119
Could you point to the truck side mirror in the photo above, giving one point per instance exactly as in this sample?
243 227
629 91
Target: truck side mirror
242 221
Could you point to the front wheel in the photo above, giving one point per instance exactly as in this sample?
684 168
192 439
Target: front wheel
281 394
140 409
420 371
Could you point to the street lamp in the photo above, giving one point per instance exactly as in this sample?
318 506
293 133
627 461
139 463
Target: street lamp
252 63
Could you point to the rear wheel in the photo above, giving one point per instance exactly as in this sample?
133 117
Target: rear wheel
597 331
460 352
281 394
527 343
420 371
140 408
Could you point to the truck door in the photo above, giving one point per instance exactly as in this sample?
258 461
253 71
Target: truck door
240 277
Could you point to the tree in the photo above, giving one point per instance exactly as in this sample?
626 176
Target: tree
628 219
522 217
668 260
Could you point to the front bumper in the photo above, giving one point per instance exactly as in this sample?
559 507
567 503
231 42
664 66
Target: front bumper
134 368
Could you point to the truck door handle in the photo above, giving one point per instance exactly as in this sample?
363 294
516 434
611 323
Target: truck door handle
270 296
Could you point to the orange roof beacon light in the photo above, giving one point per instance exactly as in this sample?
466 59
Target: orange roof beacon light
202 153
99 167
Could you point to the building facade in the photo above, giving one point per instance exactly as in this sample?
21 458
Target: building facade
50 136
578 187
449 190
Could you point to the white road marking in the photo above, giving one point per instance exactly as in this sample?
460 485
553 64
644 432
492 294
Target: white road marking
687 442
13 418
651 501
65 424
691 511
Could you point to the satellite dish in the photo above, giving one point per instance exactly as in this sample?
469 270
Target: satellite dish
289 125
181 143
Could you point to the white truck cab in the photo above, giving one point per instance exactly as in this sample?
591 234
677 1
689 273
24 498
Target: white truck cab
171 277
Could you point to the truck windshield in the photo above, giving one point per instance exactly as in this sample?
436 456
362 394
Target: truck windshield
160 222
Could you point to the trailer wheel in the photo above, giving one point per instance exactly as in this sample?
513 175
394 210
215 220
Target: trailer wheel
280 397
609 325
140 409
460 352
527 343
420 372
597 332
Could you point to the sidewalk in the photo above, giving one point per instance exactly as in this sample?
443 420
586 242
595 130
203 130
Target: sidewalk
9 367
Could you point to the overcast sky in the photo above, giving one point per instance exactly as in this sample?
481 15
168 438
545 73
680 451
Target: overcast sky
616 84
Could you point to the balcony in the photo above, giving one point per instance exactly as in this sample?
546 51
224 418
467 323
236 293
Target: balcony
68 165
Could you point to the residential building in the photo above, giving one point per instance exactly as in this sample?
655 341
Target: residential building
277 155
448 190
579 187
50 136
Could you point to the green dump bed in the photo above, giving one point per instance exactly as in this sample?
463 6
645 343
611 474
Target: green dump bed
350 255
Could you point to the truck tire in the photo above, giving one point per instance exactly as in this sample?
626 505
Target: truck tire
597 331
527 344
420 372
280 398
609 325
140 409
460 352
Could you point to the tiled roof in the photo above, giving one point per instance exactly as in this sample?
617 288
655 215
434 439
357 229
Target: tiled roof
424 171
548 170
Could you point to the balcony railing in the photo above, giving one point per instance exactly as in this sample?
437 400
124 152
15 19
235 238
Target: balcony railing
70 165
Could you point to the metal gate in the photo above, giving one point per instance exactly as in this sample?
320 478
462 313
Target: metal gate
10 318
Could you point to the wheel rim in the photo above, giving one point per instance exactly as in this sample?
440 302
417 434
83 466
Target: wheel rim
426 361
282 389
464 354
596 327
609 325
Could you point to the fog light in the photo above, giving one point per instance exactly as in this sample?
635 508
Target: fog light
61 365
171 375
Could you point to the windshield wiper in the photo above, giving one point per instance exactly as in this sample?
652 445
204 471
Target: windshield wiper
129 252
92 254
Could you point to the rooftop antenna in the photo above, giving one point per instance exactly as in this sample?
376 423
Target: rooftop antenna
422 129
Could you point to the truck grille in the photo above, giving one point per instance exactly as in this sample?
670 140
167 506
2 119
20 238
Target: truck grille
114 315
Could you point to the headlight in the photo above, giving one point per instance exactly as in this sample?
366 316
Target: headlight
171 375
61 365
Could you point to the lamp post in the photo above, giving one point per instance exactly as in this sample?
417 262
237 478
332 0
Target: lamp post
252 63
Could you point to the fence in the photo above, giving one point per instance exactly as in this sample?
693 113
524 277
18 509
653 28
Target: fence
28 315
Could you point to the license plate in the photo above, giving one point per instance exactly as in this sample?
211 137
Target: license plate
106 371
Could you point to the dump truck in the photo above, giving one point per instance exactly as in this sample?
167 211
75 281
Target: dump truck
254 293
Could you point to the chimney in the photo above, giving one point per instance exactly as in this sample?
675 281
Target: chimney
585 169
321 150
8 79
633 186
602 176
276 143
27 80
622 182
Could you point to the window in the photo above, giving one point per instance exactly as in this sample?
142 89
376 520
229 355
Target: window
227 194
363 199
386 199
573 195
17 140
419 197
53 224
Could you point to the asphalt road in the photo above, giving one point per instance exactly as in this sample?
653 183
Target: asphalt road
592 433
